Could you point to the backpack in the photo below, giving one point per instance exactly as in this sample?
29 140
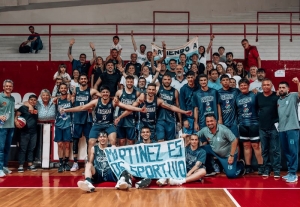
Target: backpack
24 48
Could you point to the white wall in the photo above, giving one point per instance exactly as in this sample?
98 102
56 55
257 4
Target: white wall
139 11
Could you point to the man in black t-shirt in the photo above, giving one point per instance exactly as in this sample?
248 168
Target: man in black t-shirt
28 133
268 118
110 78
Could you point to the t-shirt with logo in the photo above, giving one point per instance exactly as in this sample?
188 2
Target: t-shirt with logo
247 107
193 156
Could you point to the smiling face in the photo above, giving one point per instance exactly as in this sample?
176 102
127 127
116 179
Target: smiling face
8 87
45 97
166 81
179 70
103 139
194 141
203 82
151 91
131 70
145 134
244 88
211 122
105 94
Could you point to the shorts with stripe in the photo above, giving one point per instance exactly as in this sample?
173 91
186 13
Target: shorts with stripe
249 133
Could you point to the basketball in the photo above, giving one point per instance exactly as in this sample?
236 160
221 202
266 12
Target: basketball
21 121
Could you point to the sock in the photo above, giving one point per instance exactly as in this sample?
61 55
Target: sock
89 179
75 159
66 159
61 161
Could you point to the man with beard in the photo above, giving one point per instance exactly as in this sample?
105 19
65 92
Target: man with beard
268 117
82 120
81 64
173 65
126 126
152 102
186 102
97 169
166 121
248 125
229 60
104 112
179 80
289 127
256 85
222 145
110 78
63 129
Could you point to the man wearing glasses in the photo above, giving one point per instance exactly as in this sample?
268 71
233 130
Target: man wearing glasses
81 64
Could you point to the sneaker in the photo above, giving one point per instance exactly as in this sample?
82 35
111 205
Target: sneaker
249 170
243 170
60 169
36 51
32 168
127 177
143 183
161 182
260 171
175 181
2 174
216 168
6 170
20 169
210 174
67 167
266 173
75 167
86 186
286 176
292 179
122 184
277 174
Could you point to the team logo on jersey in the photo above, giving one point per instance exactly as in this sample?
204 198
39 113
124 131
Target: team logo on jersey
208 108
245 110
4 103
218 139
133 96
227 106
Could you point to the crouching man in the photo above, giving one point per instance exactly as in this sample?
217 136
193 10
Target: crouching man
97 170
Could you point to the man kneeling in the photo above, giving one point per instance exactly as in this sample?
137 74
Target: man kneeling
98 169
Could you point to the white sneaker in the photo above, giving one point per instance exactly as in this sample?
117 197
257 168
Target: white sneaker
75 167
2 174
121 184
175 181
86 186
6 170
161 182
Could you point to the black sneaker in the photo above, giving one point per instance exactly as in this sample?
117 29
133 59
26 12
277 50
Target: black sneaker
143 183
260 171
243 170
127 177
266 173
36 51
20 169
32 168
249 170
60 169
67 167
276 174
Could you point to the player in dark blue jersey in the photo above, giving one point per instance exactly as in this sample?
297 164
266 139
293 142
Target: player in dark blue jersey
126 125
152 102
82 120
97 170
205 101
166 121
104 111
63 129
247 107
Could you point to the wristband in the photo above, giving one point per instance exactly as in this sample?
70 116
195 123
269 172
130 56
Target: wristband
93 49
231 155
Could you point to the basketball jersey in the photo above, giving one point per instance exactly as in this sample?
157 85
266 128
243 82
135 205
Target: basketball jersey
149 119
168 96
128 121
247 109
59 121
104 114
100 160
82 98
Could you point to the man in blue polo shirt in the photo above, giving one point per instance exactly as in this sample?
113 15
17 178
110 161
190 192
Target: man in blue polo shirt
81 64
7 115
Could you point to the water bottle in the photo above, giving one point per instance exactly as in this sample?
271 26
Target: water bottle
64 115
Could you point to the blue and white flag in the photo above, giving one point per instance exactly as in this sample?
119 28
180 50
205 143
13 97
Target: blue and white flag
154 160
188 49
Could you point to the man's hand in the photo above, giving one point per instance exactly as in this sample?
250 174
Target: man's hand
72 41
212 36
164 44
158 68
3 118
131 33
92 46
186 124
144 109
18 125
230 160
189 113
220 121
116 121
54 100
116 101
196 126
120 68
154 53
296 80
255 91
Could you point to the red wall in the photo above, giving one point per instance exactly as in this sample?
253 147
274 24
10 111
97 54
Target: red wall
33 76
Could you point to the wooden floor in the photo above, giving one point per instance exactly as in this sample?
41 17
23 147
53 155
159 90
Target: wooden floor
110 197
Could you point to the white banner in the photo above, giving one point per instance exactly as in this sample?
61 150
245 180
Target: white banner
188 49
154 161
